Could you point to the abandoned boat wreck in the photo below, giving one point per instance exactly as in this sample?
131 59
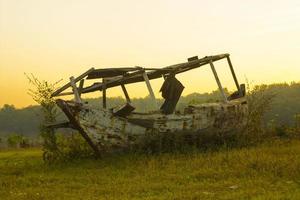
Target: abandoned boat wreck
108 128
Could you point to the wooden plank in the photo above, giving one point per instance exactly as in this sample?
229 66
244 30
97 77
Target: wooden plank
218 81
104 93
233 75
75 91
66 109
156 73
125 93
150 89
80 87
69 84
65 94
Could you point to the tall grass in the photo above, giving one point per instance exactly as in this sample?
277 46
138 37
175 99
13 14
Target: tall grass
267 171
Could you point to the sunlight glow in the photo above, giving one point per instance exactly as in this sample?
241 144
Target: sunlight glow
56 39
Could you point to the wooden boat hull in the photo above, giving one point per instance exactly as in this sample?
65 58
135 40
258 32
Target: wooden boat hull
104 130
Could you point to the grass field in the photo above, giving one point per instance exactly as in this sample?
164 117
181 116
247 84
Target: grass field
267 171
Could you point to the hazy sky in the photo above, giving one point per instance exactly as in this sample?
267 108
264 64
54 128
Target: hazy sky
56 39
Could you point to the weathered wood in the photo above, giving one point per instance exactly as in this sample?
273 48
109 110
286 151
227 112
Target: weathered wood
233 75
218 81
64 94
104 94
113 72
150 89
75 90
75 124
108 131
110 72
125 93
69 84
80 86
152 73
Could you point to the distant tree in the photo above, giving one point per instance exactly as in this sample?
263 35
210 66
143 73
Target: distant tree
23 121
17 140
8 108
297 122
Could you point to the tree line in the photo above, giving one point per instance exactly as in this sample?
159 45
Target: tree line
284 109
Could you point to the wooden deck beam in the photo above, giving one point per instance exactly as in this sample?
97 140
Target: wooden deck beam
150 89
69 84
75 90
233 75
125 93
104 93
218 81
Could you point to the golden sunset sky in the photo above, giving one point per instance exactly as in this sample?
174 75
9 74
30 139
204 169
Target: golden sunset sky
56 39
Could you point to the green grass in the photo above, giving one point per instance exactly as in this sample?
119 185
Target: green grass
267 171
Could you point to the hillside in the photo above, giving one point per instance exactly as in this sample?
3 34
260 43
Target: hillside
267 171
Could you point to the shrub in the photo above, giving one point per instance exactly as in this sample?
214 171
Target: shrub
17 140
56 146
259 100
42 95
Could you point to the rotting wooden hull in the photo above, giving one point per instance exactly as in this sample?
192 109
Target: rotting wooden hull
103 130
